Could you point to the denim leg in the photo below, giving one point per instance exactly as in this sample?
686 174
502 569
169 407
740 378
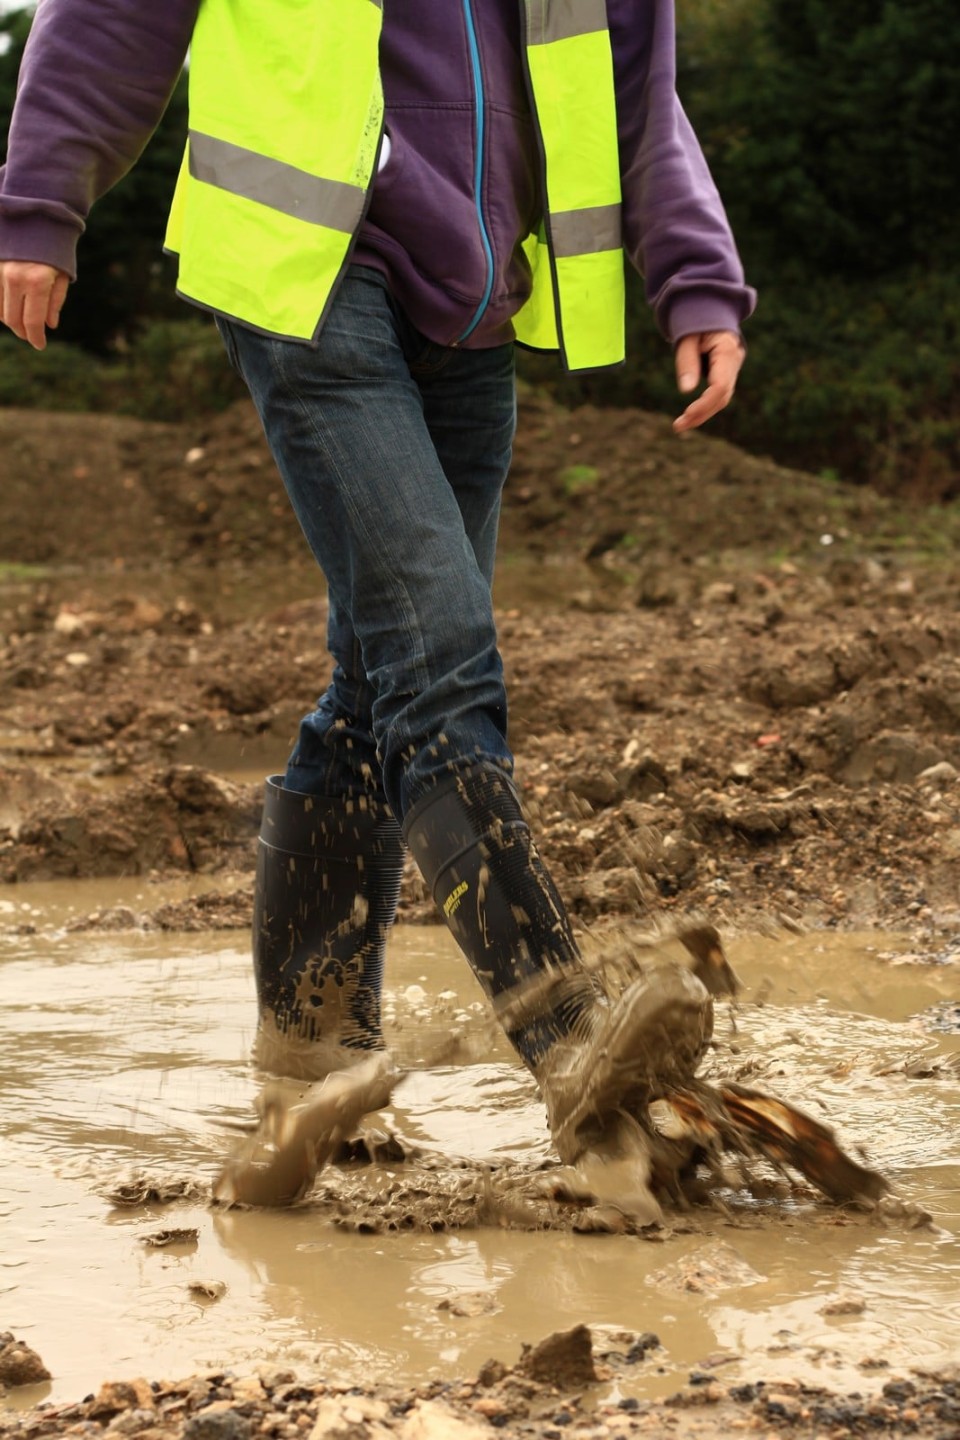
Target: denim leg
335 752
347 426
472 431
469 404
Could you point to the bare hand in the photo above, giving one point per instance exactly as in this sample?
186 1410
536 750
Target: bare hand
31 296
724 353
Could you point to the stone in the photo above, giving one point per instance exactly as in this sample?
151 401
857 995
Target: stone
432 1420
564 1359
117 1395
221 1425
19 1365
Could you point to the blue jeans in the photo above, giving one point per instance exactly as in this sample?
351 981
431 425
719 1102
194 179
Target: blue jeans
394 452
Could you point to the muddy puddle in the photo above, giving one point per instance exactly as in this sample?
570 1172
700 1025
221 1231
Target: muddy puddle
126 1056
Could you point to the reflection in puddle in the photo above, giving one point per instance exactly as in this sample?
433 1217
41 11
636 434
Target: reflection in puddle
129 1052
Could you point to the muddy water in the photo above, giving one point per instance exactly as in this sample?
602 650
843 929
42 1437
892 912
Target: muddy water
128 1053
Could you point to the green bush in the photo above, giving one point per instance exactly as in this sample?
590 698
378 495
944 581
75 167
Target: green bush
173 370
62 377
864 379
831 129
177 369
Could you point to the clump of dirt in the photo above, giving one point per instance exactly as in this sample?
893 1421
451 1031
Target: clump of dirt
178 819
19 1365
564 1360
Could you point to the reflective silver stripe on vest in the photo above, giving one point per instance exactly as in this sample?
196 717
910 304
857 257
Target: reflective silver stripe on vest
275 184
560 19
585 232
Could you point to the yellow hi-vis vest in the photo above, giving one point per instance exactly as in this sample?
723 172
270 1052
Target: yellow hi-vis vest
286 113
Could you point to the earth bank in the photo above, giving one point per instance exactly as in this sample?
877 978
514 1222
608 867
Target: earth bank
734 687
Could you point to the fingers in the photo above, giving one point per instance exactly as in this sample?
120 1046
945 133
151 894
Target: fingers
688 363
32 298
58 295
724 354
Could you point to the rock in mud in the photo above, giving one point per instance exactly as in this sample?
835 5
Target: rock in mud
564 1359
207 1291
19 1365
709 1270
115 1396
470 1304
217 1425
844 1305
163 1239
433 1420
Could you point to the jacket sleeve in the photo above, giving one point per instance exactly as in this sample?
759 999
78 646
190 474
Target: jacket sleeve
676 231
95 80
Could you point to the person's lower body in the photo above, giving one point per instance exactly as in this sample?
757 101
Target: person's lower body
394 452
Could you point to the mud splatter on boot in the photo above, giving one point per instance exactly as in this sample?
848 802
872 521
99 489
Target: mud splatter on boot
475 851
623 1054
592 1057
328 877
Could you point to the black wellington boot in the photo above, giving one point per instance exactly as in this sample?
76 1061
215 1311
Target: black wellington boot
475 851
328 878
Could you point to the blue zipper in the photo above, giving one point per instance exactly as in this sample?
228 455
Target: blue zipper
478 169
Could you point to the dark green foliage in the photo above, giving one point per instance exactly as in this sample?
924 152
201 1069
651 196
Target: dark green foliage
14 27
864 383
834 130
178 369
172 370
62 377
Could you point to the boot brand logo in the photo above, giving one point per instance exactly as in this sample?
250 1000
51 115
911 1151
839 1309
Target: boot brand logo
452 901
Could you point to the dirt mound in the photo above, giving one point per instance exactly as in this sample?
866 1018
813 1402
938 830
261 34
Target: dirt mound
734 686
594 482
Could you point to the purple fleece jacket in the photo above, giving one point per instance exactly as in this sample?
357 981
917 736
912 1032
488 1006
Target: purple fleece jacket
97 75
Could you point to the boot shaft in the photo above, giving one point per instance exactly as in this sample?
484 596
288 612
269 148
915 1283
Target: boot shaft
328 879
474 849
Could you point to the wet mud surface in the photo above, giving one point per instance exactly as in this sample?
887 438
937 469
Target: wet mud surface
735 696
